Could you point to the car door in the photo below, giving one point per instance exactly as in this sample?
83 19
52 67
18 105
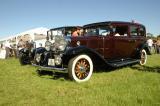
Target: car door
96 39
122 43
102 42
91 40
106 42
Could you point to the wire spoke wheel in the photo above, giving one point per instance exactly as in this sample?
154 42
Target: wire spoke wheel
80 68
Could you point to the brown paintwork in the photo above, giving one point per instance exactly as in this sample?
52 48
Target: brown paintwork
111 46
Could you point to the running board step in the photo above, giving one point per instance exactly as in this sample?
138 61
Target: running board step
123 63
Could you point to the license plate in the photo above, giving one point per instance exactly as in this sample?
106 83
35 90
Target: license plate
51 62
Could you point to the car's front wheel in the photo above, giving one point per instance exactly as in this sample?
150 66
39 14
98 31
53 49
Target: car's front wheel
80 68
23 59
143 57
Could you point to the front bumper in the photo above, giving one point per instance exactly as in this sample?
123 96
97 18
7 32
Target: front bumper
52 68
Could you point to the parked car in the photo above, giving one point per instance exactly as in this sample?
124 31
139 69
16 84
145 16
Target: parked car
55 45
26 53
110 43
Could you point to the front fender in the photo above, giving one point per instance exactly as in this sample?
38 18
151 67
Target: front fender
24 56
24 51
72 52
40 50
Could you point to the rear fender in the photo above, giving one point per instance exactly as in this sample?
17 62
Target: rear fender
146 48
141 47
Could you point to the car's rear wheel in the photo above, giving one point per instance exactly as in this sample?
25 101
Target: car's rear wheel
143 57
80 68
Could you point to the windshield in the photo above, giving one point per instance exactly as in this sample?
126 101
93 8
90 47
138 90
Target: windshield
65 31
101 30
61 32
52 33
57 32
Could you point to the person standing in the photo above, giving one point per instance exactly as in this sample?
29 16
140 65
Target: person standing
20 45
2 52
150 44
7 48
158 46
76 32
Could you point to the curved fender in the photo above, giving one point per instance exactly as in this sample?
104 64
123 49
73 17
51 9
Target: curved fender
79 50
145 46
24 50
72 52
40 50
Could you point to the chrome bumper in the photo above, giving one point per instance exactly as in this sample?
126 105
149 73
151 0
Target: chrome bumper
52 68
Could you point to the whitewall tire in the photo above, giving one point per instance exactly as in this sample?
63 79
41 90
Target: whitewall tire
80 68
143 57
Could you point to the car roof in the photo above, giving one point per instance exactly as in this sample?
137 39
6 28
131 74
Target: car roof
66 27
111 22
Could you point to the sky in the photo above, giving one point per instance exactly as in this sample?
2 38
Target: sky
17 16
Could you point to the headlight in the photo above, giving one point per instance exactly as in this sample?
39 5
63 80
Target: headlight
58 60
26 50
61 47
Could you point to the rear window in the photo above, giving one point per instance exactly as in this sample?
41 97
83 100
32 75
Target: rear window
134 31
142 31
137 31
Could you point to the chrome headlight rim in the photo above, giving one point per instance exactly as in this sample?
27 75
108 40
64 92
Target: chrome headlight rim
61 47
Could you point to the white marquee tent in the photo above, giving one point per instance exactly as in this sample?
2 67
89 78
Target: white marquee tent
33 34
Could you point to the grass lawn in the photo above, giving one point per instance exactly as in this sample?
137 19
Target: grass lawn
128 86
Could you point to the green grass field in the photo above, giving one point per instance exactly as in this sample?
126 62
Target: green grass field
128 86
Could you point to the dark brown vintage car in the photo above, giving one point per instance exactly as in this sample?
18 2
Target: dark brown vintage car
111 43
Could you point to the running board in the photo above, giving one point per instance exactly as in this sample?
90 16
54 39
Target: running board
123 63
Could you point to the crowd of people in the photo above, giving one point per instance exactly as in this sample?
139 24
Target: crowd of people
8 49
153 45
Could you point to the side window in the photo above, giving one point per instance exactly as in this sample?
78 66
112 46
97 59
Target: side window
90 32
134 31
104 31
68 33
97 31
142 31
120 30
